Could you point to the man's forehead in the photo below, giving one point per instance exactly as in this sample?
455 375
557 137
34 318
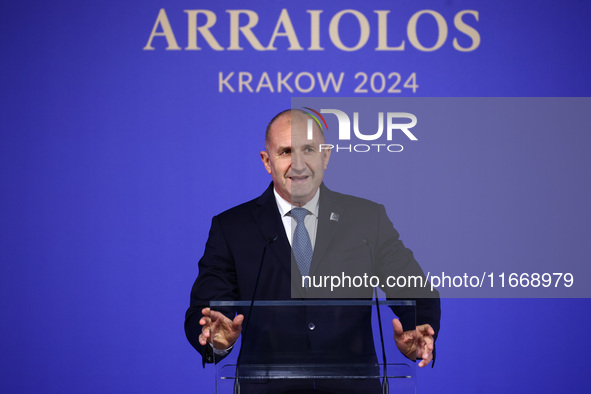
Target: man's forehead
294 126
294 138
291 119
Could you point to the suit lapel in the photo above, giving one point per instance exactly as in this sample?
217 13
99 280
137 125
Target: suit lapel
267 217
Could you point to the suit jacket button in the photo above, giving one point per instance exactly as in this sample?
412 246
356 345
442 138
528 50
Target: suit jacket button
311 326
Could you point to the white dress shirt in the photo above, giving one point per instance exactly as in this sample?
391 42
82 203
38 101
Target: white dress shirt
289 222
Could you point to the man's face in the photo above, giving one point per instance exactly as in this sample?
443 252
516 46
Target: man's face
294 162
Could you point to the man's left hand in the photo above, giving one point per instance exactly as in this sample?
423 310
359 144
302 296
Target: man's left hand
417 343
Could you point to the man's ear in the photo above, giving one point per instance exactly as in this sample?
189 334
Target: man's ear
266 160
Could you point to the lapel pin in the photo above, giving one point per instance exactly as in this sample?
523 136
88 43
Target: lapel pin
334 216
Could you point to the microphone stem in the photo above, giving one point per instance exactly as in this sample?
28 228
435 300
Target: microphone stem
256 284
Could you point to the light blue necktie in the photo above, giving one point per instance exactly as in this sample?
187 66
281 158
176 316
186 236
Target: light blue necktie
301 245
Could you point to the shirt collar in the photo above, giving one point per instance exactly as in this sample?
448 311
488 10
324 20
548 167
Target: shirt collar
285 207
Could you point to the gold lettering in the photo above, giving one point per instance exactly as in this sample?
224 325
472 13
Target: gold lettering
289 32
224 81
467 30
283 82
236 29
162 20
330 80
204 30
411 30
265 82
315 30
383 33
312 82
244 79
333 30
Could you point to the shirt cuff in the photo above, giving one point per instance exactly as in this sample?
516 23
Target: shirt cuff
220 352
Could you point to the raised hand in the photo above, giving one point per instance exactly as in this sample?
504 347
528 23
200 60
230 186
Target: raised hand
218 330
417 343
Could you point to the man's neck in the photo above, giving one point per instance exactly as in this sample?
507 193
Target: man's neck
286 206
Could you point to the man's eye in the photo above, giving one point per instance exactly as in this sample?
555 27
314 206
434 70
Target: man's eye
286 152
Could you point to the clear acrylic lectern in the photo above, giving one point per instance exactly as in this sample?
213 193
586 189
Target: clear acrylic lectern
299 344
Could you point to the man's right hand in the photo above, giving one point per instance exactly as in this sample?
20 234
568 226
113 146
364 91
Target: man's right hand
225 331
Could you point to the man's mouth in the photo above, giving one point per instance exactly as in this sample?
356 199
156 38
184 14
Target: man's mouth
299 178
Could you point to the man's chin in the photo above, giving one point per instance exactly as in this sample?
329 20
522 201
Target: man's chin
300 197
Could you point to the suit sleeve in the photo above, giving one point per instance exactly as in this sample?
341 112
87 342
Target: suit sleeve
394 259
216 281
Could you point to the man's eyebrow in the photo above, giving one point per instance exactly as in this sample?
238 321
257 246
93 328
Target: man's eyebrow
283 148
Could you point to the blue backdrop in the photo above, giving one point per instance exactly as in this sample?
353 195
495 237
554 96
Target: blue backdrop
115 156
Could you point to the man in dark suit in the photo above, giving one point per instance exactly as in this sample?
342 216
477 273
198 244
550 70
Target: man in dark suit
337 234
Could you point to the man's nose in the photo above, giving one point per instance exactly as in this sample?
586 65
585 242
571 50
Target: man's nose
297 161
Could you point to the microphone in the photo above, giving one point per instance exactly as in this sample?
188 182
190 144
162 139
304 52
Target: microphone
385 385
256 285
